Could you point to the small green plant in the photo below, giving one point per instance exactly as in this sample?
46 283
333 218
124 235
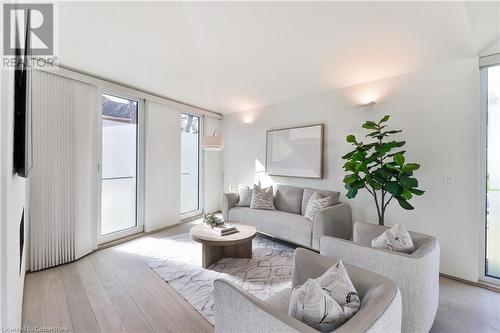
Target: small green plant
379 169
212 220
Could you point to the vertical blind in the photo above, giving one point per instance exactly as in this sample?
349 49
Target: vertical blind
61 180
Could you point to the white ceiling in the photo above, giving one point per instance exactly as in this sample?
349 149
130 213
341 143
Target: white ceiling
233 56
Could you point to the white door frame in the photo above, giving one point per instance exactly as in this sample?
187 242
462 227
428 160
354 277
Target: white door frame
483 171
201 178
101 239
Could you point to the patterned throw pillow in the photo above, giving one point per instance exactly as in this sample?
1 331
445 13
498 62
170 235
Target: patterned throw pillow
262 198
245 195
396 239
315 204
327 302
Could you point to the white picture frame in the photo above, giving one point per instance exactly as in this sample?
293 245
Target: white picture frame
295 151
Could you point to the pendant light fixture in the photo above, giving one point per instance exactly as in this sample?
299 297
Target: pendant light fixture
213 142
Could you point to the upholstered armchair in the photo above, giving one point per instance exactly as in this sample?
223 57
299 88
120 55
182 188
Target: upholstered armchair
416 274
238 311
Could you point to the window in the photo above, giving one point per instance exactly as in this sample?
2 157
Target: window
491 92
190 165
119 171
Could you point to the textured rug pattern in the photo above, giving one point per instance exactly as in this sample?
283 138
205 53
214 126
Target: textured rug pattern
177 260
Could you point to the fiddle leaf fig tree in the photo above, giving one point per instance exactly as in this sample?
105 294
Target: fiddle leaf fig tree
380 167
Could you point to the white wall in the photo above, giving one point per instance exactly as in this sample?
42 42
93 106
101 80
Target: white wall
438 111
213 171
12 201
162 166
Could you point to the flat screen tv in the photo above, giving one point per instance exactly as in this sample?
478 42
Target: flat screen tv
22 159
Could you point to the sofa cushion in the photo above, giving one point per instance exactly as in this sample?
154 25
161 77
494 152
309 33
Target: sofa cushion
288 198
287 226
309 191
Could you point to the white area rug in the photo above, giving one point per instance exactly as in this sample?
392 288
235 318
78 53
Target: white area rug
177 260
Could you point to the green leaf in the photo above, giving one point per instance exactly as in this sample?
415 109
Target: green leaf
351 138
399 152
408 182
350 166
361 167
349 179
358 184
410 167
372 134
349 154
391 166
416 191
351 193
398 144
407 194
370 125
358 155
393 132
376 186
394 188
384 173
399 159
403 203
384 119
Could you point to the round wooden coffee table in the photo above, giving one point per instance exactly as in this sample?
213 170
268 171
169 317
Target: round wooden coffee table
215 247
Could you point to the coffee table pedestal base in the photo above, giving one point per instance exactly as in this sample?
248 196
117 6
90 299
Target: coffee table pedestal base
213 253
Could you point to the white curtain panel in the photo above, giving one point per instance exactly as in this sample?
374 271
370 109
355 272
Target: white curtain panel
63 177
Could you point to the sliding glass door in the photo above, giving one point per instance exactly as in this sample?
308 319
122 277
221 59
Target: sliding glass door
190 165
491 76
119 167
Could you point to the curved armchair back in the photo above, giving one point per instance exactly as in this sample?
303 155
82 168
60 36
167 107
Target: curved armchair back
416 274
380 311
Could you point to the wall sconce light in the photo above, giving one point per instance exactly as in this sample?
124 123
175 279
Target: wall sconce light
214 142
365 105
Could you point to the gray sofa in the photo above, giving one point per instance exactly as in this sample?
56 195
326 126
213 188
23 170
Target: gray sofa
416 274
238 311
287 221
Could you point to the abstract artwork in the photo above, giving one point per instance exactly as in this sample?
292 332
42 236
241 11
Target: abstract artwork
295 152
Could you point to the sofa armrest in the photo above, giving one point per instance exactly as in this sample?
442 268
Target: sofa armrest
229 201
335 221
238 311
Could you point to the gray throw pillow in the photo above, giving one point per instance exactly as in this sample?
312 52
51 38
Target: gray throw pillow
245 195
262 198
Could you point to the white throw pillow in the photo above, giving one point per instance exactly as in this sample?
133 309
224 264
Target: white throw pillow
327 302
245 195
396 239
316 203
262 198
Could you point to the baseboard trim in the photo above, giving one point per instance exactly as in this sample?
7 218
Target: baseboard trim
141 234
479 284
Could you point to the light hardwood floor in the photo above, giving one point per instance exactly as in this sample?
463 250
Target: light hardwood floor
113 291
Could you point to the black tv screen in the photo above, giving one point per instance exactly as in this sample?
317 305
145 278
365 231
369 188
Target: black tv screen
22 158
